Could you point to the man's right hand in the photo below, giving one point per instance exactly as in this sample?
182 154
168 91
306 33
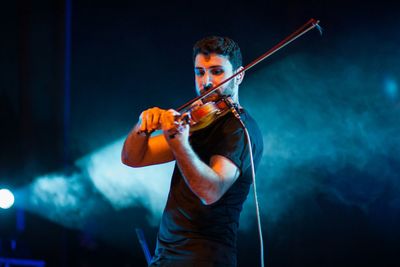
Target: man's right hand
150 119
140 151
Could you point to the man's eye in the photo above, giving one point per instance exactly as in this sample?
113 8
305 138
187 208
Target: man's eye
199 72
217 71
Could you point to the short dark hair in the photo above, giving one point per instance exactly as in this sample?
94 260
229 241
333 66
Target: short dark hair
221 46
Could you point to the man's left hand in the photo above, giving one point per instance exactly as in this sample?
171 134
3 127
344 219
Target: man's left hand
176 132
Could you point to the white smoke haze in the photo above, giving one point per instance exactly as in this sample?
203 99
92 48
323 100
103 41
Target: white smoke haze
72 199
124 186
322 117
64 199
316 119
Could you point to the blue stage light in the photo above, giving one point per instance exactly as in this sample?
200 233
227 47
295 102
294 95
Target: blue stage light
6 198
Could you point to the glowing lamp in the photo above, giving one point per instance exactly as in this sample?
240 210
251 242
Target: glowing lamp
6 198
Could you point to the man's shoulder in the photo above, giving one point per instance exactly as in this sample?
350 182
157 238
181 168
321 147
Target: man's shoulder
250 122
253 129
231 124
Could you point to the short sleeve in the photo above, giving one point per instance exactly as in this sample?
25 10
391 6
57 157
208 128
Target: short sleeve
232 143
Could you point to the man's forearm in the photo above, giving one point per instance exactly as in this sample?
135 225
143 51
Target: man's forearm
134 147
201 178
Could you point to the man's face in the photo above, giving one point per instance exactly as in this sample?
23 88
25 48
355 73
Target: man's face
210 70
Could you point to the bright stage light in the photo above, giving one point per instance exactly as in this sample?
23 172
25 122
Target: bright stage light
6 198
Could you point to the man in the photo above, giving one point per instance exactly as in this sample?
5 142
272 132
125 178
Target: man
212 175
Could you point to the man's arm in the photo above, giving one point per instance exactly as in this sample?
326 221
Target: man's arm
142 150
208 182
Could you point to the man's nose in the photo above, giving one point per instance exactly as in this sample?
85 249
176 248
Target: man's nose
207 86
207 83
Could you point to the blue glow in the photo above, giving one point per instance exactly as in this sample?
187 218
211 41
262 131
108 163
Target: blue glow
22 262
391 88
125 186
6 199
71 199
318 136
20 220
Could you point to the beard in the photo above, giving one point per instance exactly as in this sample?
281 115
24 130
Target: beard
227 90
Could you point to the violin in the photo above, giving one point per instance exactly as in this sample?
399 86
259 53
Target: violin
201 114
204 114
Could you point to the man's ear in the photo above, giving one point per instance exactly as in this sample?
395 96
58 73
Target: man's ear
239 77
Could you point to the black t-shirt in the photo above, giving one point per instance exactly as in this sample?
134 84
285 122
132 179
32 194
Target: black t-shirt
191 230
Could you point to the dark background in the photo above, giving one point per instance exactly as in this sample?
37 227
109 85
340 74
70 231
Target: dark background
328 107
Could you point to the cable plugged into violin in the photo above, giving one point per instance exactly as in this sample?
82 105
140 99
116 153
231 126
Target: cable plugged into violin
233 108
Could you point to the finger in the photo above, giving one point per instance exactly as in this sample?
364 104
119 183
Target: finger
156 120
143 121
174 118
147 120
165 120
185 118
174 113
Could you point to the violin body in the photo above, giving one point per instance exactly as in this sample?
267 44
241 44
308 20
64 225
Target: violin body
201 116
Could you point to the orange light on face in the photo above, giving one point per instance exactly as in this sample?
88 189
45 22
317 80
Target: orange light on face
211 70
